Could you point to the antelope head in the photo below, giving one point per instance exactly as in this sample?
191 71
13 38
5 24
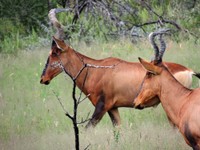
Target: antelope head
150 87
54 65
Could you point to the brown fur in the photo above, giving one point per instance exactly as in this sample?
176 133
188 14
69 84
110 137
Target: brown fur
109 88
181 104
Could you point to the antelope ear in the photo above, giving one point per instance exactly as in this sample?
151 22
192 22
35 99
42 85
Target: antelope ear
150 66
59 43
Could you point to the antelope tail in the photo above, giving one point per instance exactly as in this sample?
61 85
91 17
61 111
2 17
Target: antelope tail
196 74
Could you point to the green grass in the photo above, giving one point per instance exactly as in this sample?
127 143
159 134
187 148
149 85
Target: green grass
32 118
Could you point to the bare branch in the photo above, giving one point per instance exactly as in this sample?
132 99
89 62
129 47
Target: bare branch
59 100
67 114
61 104
86 119
83 121
84 98
87 147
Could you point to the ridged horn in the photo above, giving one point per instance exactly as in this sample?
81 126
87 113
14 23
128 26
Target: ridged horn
162 46
154 45
56 24
158 53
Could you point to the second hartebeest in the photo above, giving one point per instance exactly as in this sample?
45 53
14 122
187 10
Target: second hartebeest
112 85
182 105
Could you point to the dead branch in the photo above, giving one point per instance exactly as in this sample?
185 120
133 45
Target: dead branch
59 100
83 99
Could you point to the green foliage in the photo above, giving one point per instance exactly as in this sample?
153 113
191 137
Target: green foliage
99 24
15 42
116 133
20 24
26 12
9 28
23 23
187 14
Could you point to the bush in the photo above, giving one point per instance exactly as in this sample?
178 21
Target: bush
12 43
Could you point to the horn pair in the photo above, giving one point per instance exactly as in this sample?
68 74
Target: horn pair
158 53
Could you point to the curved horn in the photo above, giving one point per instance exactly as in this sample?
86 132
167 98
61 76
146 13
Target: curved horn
162 46
162 42
153 43
57 25
158 53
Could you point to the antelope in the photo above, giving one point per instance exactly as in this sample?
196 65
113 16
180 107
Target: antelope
108 88
182 105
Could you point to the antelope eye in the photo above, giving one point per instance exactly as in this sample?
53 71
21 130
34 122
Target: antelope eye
54 54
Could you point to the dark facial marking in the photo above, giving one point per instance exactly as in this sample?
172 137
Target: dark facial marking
53 43
46 65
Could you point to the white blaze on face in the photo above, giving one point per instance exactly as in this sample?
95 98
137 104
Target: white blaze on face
184 77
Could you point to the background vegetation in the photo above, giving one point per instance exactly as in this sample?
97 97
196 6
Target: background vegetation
24 24
31 117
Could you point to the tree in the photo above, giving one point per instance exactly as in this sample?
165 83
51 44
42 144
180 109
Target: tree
110 18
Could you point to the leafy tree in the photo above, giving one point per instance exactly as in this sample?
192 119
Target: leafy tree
102 19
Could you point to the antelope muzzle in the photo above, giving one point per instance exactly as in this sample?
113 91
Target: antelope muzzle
139 107
44 81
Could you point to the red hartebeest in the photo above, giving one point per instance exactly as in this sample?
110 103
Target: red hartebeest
108 88
182 105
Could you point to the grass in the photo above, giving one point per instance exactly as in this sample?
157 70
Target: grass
32 118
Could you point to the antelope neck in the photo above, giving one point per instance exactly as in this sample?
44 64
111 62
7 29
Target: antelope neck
172 96
67 71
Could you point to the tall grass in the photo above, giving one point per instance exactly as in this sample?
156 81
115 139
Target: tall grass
31 117
14 43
